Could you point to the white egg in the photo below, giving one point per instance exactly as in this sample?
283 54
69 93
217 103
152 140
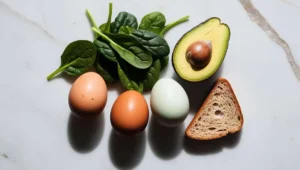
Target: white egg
169 102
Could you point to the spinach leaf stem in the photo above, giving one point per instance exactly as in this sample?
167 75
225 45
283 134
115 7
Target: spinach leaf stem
91 19
102 35
173 24
107 26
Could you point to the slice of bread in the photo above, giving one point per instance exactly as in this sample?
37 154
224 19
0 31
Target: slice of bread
219 115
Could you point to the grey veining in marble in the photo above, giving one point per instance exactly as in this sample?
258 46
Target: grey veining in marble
33 23
261 21
292 3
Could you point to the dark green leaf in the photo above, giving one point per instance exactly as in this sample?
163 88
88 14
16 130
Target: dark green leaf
105 50
152 75
129 77
77 58
112 26
124 19
102 27
153 22
154 43
164 62
131 51
126 30
107 69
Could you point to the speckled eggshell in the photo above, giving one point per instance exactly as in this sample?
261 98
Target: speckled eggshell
88 95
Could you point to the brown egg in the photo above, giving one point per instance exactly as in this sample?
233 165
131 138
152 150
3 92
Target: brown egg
129 113
88 95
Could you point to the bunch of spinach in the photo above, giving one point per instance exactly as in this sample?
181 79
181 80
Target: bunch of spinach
122 50
138 52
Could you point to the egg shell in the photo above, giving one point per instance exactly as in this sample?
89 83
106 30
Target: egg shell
129 113
169 102
88 95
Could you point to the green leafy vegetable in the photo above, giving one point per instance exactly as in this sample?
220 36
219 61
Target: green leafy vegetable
128 49
105 50
126 30
102 27
124 19
164 62
78 57
153 22
106 68
154 43
122 50
152 75
129 77
112 27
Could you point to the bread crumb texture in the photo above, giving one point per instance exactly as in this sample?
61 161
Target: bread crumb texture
219 116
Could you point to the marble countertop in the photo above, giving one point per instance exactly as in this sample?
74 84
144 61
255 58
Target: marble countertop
37 131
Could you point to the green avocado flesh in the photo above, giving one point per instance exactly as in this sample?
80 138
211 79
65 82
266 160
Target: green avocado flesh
212 30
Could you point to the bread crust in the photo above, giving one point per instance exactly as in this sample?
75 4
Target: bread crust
198 114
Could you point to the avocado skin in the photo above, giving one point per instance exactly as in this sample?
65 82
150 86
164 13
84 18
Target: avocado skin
183 36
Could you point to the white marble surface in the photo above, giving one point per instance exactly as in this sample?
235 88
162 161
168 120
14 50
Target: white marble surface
38 133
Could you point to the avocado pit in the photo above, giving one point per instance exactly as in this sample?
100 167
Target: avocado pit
198 54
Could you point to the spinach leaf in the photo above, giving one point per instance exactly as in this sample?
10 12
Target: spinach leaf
164 62
126 19
128 49
112 26
152 75
154 43
129 77
126 30
173 24
77 58
105 50
106 68
102 27
153 22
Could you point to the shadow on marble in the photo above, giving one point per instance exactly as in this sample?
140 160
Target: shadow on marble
166 143
85 134
116 86
196 147
198 91
126 152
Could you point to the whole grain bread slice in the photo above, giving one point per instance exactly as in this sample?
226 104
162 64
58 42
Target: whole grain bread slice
219 115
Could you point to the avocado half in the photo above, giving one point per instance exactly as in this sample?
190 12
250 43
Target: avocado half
213 30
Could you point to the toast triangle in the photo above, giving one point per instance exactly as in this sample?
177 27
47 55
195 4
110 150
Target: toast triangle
219 115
